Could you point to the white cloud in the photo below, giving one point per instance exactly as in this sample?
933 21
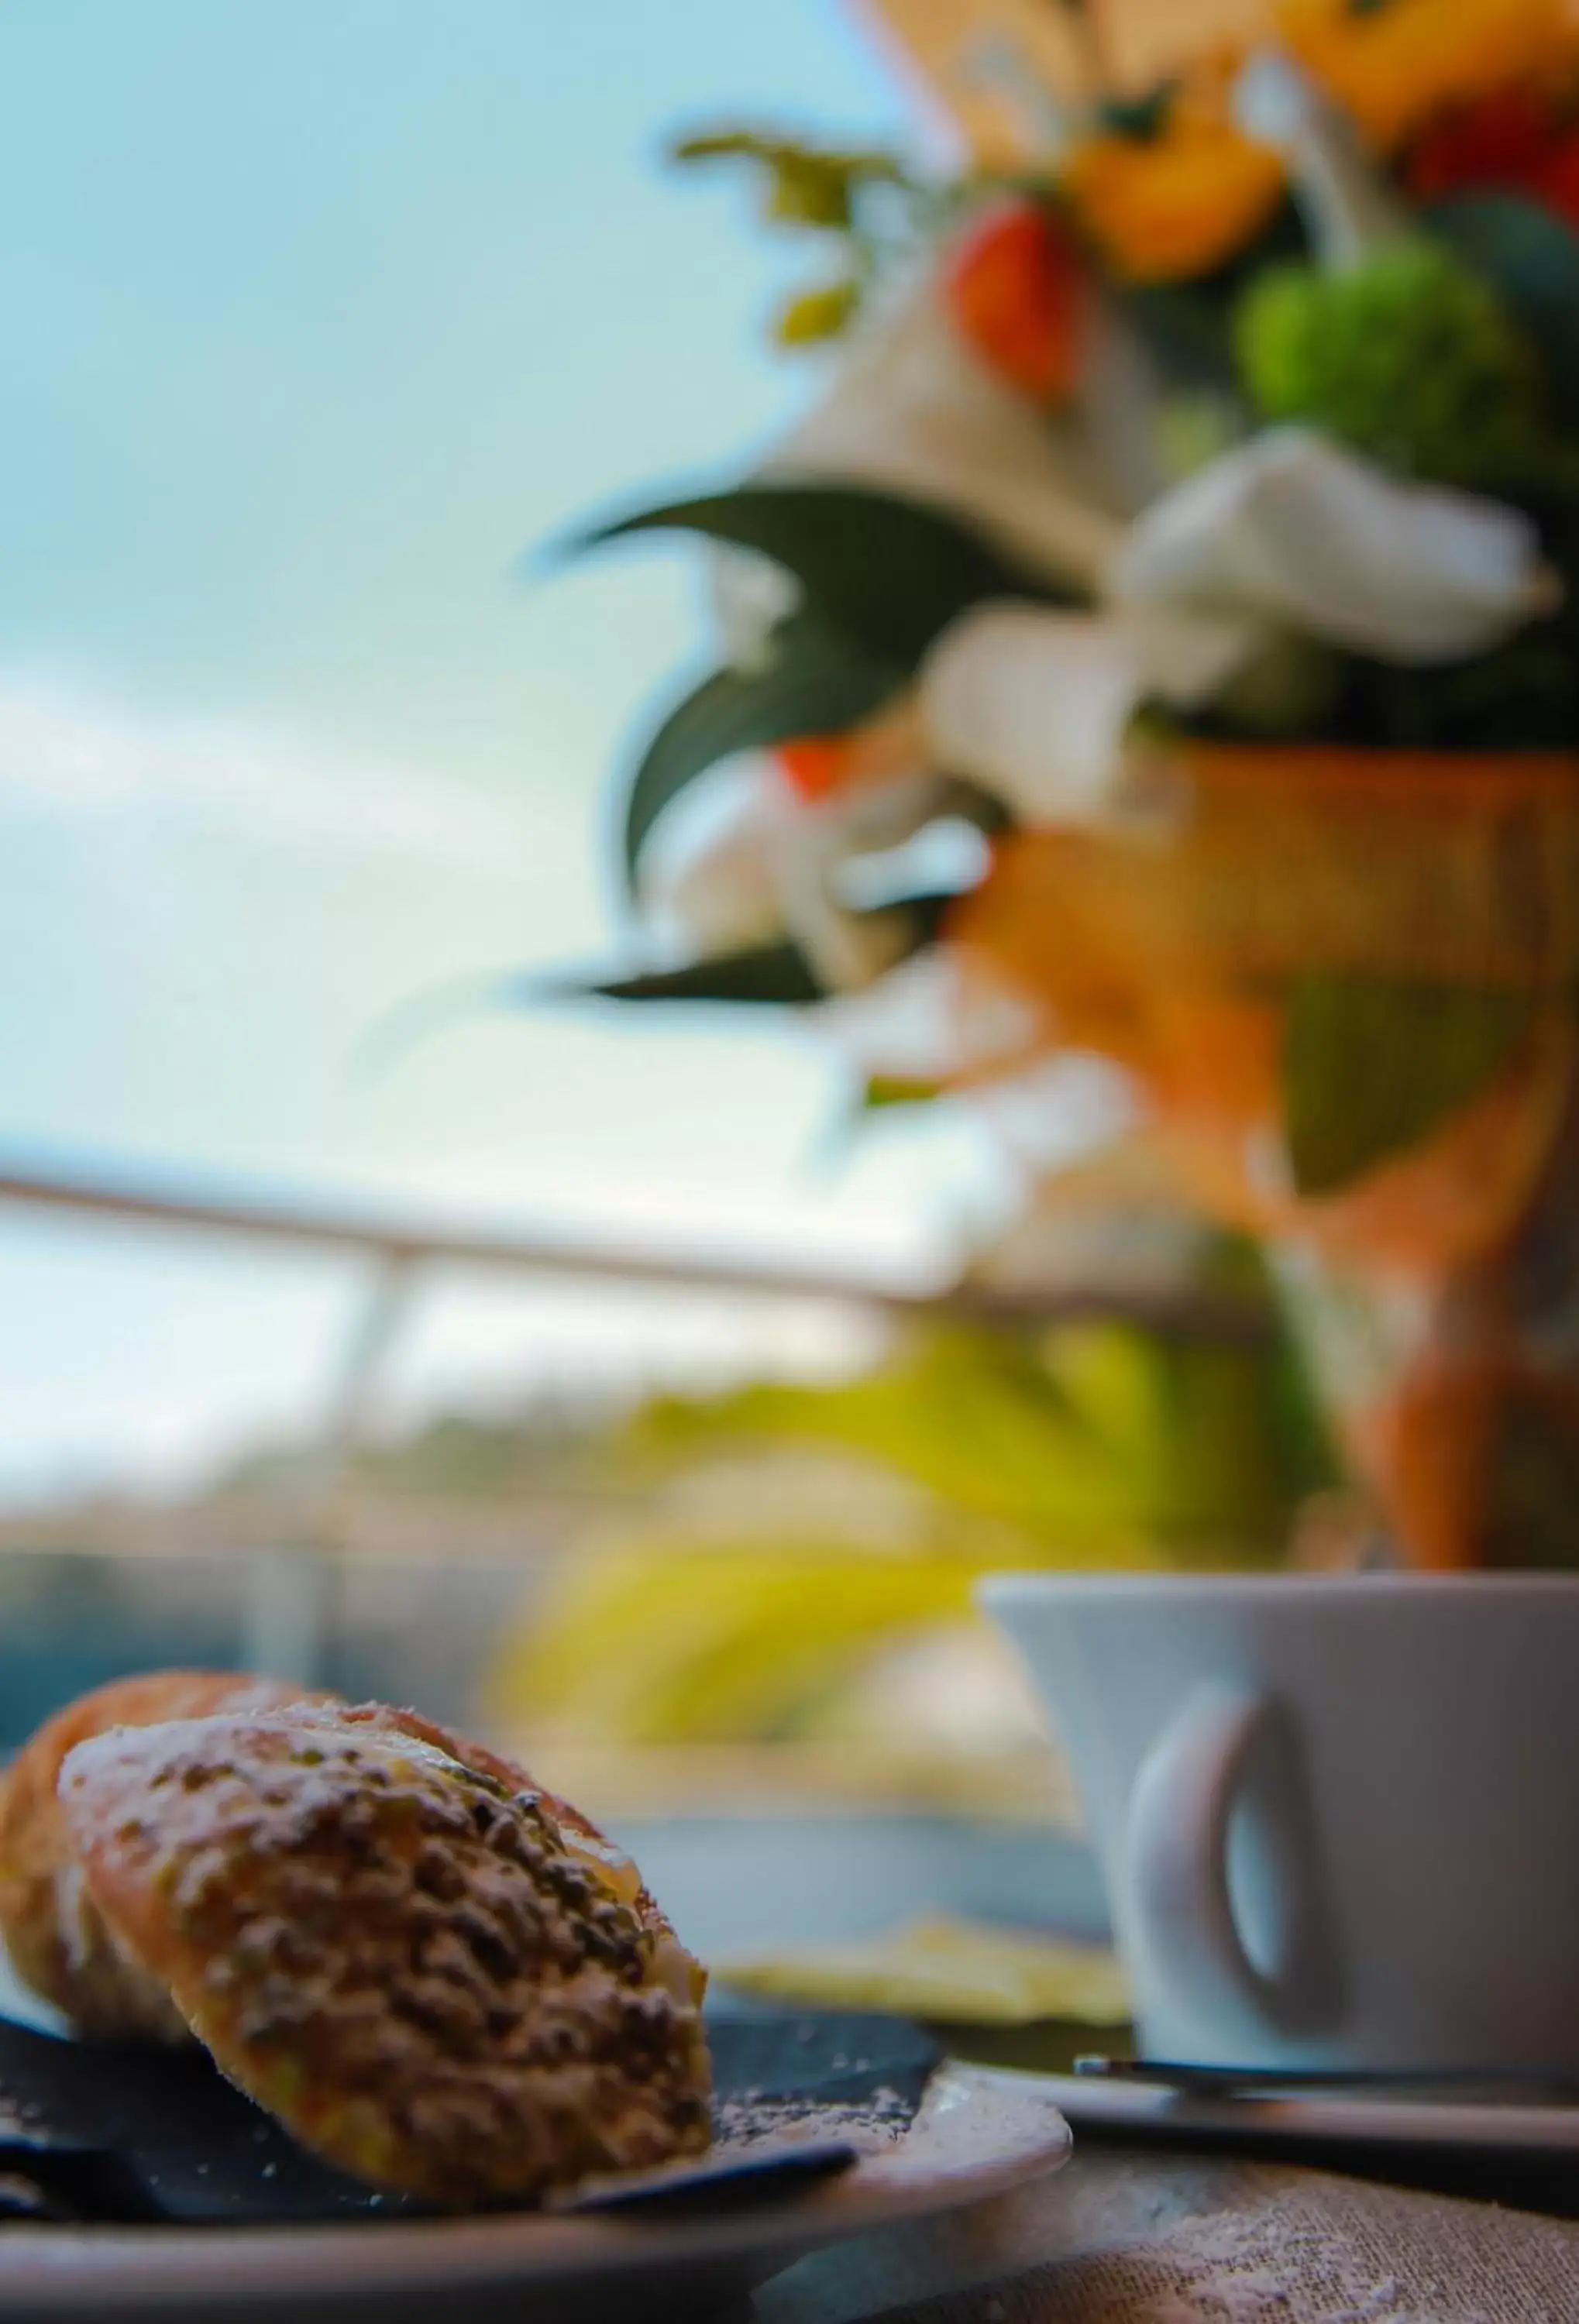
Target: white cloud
65 751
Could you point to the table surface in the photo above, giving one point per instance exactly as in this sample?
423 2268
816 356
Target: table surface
1138 2234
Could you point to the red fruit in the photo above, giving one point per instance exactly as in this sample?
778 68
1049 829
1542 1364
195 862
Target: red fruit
1505 141
1558 183
1016 291
816 764
1512 142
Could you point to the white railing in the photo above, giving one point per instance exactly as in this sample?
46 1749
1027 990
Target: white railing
400 1246
289 1583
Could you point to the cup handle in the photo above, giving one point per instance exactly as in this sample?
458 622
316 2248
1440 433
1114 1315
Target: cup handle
1175 1850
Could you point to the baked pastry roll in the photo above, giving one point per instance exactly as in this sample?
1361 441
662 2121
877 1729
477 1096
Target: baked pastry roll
438 1976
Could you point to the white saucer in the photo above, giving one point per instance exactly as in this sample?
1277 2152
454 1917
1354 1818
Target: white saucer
1327 2117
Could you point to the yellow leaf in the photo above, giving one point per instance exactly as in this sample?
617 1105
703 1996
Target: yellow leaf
811 317
954 1973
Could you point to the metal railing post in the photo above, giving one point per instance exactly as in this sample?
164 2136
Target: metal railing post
292 1594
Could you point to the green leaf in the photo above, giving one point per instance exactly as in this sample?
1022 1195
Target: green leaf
1101 1441
809 318
1531 258
776 974
877 1093
814 683
807 188
881 1092
883 572
771 975
718 145
1185 328
1371 1064
1143 120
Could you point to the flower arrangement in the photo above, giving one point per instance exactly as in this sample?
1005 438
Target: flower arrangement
1159 642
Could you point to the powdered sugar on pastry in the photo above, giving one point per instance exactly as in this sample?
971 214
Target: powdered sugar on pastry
406 1961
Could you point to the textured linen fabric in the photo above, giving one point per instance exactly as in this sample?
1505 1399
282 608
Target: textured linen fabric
1154 2238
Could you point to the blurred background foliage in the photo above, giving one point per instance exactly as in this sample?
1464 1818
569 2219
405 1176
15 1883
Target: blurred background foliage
801 1547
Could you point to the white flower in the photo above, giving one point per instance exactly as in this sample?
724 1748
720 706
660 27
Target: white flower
931 1020
1290 531
1284 535
766 864
1033 705
1347 209
913 410
751 597
712 880
848 950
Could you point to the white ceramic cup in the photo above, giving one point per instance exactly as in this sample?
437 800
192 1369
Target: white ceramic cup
1338 1816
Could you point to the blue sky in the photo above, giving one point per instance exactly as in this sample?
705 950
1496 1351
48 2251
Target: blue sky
317 314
